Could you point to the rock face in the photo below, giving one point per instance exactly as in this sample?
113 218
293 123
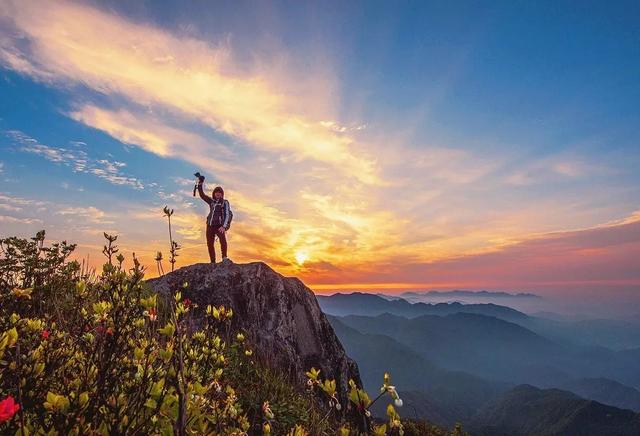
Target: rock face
280 316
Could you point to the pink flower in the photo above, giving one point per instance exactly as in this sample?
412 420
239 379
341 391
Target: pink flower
8 408
45 334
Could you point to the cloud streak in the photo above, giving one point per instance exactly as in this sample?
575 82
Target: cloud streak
360 199
147 65
599 259
77 159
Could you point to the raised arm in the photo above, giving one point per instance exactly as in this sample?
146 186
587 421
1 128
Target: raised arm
204 196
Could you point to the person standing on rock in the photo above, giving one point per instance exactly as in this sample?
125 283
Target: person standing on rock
218 220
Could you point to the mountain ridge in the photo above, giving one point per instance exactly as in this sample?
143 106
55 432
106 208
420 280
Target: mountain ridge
527 411
360 303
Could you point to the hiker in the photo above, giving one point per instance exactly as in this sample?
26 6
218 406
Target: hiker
218 220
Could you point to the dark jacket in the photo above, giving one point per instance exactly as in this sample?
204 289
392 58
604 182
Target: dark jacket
218 209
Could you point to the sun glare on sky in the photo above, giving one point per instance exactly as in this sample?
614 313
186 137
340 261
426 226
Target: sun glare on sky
365 145
301 257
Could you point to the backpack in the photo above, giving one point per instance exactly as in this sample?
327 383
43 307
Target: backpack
230 218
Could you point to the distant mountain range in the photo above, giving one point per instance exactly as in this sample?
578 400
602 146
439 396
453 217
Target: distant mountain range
444 397
529 411
522 301
482 345
456 359
360 303
614 334
605 391
501 350
462 293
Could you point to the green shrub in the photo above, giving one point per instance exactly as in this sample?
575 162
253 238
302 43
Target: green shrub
82 353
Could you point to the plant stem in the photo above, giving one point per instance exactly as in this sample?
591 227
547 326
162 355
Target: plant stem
20 390
182 412
376 399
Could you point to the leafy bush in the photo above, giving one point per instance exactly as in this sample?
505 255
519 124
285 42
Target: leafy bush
106 356
82 353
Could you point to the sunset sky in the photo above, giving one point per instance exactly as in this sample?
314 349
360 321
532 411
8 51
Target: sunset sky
362 145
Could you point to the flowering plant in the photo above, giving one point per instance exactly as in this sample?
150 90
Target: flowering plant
88 353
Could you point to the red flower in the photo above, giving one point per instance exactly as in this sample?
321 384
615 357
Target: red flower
110 331
187 302
100 329
8 408
45 334
153 314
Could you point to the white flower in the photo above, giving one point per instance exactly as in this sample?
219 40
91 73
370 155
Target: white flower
392 390
217 386
398 402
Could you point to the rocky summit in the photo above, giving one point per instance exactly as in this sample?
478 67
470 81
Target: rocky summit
279 315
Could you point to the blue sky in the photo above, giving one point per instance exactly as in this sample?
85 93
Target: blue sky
358 136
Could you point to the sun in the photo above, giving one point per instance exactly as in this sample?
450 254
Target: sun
301 256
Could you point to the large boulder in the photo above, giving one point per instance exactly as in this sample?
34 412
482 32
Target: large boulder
279 315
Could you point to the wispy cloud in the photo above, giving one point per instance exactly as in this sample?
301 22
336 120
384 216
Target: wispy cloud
26 208
154 135
14 200
33 210
77 159
14 220
300 174
191 77
85 214
596 258
182 181
10 207
563 166
356 197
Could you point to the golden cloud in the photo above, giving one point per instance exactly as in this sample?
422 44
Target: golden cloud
146 65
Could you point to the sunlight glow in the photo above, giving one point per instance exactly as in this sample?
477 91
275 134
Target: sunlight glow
301 256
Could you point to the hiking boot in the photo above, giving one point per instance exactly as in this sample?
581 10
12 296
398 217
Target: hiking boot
226 260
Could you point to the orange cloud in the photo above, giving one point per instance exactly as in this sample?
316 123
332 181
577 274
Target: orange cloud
601 258
67 43
358 203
